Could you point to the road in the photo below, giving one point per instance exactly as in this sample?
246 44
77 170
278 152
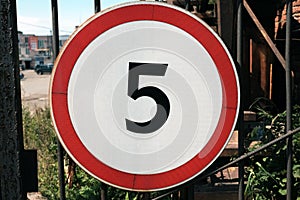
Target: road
35 89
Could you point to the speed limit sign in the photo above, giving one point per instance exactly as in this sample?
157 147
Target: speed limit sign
144 96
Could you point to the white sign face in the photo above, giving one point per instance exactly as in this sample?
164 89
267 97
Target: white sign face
100 103
140 101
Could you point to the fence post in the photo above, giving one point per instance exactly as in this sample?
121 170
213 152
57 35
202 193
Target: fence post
288 99
11 134
241 149
60 151
103 188
97 4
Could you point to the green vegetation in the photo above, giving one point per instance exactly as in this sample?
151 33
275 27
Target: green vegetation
39 134
267 172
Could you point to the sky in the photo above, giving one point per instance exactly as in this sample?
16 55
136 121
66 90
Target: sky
34 16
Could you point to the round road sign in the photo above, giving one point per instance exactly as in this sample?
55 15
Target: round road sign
144 96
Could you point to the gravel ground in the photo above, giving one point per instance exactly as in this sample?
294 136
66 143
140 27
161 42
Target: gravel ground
35 89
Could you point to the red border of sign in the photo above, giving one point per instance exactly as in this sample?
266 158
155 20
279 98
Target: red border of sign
102 22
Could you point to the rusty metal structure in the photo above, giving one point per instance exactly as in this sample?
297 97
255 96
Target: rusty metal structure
245 27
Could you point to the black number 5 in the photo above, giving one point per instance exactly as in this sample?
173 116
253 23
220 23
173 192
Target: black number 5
162 101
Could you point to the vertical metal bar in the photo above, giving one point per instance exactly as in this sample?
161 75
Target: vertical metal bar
55 34
11 134
103 188
239 31
288 98
97 4
241 149
187 4
60 155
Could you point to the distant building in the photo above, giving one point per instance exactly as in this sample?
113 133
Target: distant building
34 50
62 40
